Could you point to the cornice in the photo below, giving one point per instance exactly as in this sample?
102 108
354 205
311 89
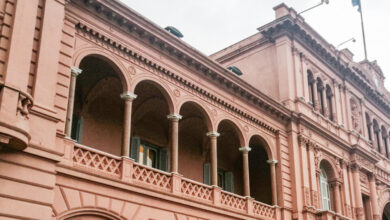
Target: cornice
128 21
156 66
301 32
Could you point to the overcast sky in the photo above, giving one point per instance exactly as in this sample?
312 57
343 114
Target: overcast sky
211 25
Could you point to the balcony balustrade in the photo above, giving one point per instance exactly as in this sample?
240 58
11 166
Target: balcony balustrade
86 159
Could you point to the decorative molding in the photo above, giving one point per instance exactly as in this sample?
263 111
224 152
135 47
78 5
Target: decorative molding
302 33
128 96
245 149
212 134
75 71
214 72
174 117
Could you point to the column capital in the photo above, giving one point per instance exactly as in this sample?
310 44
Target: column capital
75 71
245 149
128 96
212 134
174 117
272 162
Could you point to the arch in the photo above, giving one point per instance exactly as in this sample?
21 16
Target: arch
162 87
265 145
236 128
311 81
368 125
111 59
204 111
260 170
98 109
329 167
321 98
89 212
376 128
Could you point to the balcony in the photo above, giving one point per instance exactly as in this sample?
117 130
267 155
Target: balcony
125 170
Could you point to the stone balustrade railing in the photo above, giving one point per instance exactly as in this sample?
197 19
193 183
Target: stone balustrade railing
125 169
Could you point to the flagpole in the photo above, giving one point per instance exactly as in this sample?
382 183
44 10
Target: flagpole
364 37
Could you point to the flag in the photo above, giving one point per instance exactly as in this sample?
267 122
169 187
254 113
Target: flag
356 3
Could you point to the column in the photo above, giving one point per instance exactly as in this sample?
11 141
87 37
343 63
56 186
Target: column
374 198
213 146
128 98
245 165
347 204
74 72
174 118
337 200
272 164
313 177
358 193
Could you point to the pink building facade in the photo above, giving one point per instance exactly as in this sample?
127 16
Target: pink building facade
105 115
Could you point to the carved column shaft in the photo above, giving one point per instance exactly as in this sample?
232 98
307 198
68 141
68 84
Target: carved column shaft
358 194
72 89
336 188
213 145
374 198
174 118
272 164
128 99
245 166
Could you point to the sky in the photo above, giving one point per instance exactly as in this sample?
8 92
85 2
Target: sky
211 25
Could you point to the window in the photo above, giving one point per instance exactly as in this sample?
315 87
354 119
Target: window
368 124
225 178
148 154
329 96
311 81
325 192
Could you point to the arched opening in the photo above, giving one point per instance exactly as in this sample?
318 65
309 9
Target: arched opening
311 81
229 158
98 110
376 134
329 95
326 176
384 140
88 217
150 126
368 124
259 171
386 212
320 87
194 150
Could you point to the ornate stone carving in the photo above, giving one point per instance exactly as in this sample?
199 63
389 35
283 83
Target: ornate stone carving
132 70
25 104
356 115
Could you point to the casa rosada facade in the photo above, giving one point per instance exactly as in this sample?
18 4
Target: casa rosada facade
105 115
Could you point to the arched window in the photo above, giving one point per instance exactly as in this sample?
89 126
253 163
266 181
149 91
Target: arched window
368 124
329 96
311 81
384 139
321 100
325 192
376 134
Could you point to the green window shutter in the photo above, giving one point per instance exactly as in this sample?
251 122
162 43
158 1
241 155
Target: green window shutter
134 148
206 173
163 159
229 182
